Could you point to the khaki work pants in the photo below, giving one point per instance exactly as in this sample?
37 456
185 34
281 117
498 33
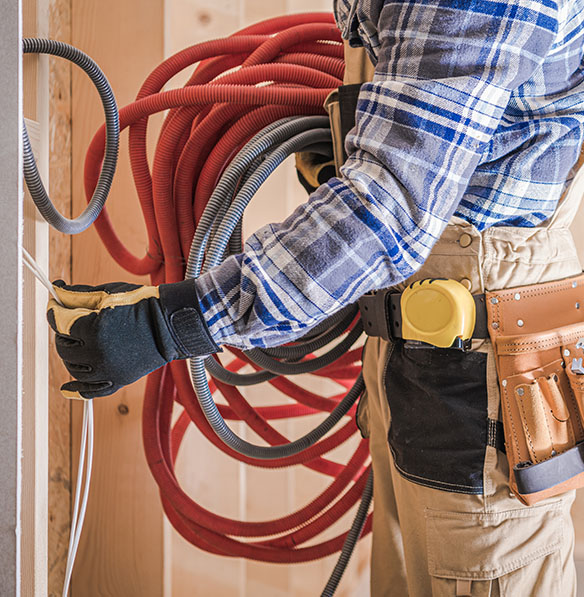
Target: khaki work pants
436 542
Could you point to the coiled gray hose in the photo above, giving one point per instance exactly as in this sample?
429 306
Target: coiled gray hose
283 368
351 540
112 134
259 157
218 222
319 337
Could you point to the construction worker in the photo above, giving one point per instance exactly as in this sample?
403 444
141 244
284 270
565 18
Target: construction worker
466 138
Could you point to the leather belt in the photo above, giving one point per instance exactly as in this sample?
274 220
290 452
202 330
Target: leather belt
381 315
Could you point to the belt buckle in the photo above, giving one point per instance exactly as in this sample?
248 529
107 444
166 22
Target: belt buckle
463 345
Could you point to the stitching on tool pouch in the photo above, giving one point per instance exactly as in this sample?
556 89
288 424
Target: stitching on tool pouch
556 340
514 431
554 288
574 406
526 429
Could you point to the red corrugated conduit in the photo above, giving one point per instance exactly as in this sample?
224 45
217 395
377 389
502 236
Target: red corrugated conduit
297 60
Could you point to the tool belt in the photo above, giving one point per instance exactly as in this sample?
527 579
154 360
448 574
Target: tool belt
537 334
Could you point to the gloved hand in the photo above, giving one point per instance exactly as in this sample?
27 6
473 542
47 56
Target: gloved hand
111 335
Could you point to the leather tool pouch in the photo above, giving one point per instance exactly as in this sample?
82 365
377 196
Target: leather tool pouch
538 338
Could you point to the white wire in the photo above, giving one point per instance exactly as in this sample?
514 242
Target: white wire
80 503
86 449
39 274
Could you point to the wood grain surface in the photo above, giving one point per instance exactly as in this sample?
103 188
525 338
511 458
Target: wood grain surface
59 268
121 547
34 509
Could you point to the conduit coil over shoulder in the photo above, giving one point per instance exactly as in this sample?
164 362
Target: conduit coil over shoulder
192 200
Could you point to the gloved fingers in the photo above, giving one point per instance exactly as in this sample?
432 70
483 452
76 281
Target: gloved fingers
77 362
82 372
314 168
78 390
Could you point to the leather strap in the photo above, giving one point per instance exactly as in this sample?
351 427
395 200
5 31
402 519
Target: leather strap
381 315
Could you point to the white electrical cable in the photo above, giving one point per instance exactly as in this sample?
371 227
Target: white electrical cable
86 449
80 503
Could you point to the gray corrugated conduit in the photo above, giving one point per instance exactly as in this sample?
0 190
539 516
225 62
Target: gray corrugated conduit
63 224
221 218
31 174
351 539
220 228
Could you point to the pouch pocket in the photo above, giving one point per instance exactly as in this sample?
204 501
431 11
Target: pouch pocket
439 423
540 397
574 366
501 553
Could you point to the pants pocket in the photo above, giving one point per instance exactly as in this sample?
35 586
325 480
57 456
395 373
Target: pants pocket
439 418
510 553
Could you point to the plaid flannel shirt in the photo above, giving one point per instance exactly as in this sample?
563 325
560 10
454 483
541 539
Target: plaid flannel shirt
476 109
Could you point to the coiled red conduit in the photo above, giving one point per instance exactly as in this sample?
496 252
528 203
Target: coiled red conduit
302 58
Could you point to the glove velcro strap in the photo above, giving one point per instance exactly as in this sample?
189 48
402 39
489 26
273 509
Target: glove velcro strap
181 309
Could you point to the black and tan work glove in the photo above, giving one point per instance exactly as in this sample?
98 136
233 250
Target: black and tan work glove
111 335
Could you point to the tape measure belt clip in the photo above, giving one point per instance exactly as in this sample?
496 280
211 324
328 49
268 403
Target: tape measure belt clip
438 312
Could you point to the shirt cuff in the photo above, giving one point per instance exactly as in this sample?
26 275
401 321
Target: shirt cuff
218 291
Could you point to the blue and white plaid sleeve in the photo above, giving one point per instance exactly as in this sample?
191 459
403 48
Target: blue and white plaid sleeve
443 79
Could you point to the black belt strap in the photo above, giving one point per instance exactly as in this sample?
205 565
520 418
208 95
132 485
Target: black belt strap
496 435
348 97
381 315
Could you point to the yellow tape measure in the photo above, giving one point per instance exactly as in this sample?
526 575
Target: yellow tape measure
437 311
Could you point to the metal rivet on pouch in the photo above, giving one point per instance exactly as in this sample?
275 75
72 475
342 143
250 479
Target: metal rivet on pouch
520 323
577 305
494 300
574 284
520 391
566 353
504 383
495 325
517 296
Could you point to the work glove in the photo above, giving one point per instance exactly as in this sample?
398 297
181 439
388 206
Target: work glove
111 335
